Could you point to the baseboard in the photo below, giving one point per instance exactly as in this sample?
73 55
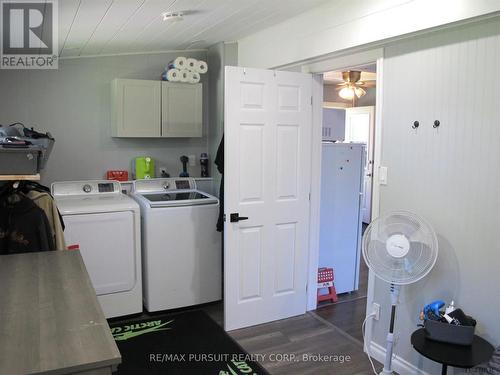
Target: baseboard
400 365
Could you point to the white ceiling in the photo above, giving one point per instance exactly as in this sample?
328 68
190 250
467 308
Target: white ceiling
103 27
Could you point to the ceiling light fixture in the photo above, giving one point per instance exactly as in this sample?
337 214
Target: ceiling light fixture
173 16
350 91
346 93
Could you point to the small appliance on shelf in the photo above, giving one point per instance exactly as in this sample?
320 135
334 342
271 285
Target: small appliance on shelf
144 168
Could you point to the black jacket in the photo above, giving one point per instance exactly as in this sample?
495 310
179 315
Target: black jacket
24 227
219 162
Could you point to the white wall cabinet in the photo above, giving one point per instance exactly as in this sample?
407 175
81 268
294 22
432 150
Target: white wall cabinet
136 108
181 109
155 109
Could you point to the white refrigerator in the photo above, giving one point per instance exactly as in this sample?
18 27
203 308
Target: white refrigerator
342 169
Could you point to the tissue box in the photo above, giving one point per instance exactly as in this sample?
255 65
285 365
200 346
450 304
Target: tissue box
449 333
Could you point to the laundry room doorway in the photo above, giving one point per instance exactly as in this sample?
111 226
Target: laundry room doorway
360 300
348 128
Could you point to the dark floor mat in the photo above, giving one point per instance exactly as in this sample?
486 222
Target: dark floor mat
183 343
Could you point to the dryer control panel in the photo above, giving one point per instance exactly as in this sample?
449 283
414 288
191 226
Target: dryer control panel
69 188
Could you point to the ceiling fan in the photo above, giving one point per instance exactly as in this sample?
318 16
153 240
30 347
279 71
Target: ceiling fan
353 86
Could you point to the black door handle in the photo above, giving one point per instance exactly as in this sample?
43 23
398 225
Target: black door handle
234 218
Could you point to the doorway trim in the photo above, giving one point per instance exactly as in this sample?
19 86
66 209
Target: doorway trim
317 69
370 111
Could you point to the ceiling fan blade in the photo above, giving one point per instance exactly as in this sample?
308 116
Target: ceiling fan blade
369 84
333 77
368 76
359 92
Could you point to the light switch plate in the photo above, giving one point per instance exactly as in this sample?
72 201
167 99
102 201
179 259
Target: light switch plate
376 311
192 160
382 176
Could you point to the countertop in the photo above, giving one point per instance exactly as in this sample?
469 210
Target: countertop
50 319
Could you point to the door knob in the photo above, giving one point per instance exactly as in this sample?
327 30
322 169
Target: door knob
235 217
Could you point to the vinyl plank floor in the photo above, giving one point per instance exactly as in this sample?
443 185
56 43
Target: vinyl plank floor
325 332
347 316
332 332
313 346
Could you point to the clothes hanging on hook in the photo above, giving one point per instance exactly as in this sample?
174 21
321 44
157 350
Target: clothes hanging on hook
29 219
45 201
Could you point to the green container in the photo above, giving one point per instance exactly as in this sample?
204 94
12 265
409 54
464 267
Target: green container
144 168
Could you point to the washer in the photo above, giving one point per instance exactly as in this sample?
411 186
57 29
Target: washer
181 249
104 224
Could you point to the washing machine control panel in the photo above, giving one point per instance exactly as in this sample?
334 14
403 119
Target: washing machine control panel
182 185
164 184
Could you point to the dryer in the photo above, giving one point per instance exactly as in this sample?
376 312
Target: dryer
182 251
104 224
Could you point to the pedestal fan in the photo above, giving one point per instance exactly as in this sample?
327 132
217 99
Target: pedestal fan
400 248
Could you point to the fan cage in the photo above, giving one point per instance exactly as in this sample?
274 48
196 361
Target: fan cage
423 248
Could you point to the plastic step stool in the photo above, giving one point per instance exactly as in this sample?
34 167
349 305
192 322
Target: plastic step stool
325 280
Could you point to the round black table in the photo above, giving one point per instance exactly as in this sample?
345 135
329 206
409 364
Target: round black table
450 354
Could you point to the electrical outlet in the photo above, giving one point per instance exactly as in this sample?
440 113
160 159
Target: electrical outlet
163 171
376 310
192 160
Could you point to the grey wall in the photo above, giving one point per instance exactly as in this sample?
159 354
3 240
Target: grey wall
450 176
73 103
368 99
335 118
219 56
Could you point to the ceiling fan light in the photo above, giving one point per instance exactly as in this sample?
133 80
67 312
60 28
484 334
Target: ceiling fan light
347 93
359 92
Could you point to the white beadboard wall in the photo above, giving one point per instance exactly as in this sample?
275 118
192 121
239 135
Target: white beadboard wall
449 175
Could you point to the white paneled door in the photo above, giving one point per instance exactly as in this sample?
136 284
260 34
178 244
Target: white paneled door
268 123
360 127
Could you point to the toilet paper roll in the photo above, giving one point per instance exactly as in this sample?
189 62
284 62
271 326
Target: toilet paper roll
195 77
191 64
173 75
178 63
201 67
184 75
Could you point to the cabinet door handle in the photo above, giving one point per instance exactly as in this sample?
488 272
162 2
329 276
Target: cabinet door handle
235 217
